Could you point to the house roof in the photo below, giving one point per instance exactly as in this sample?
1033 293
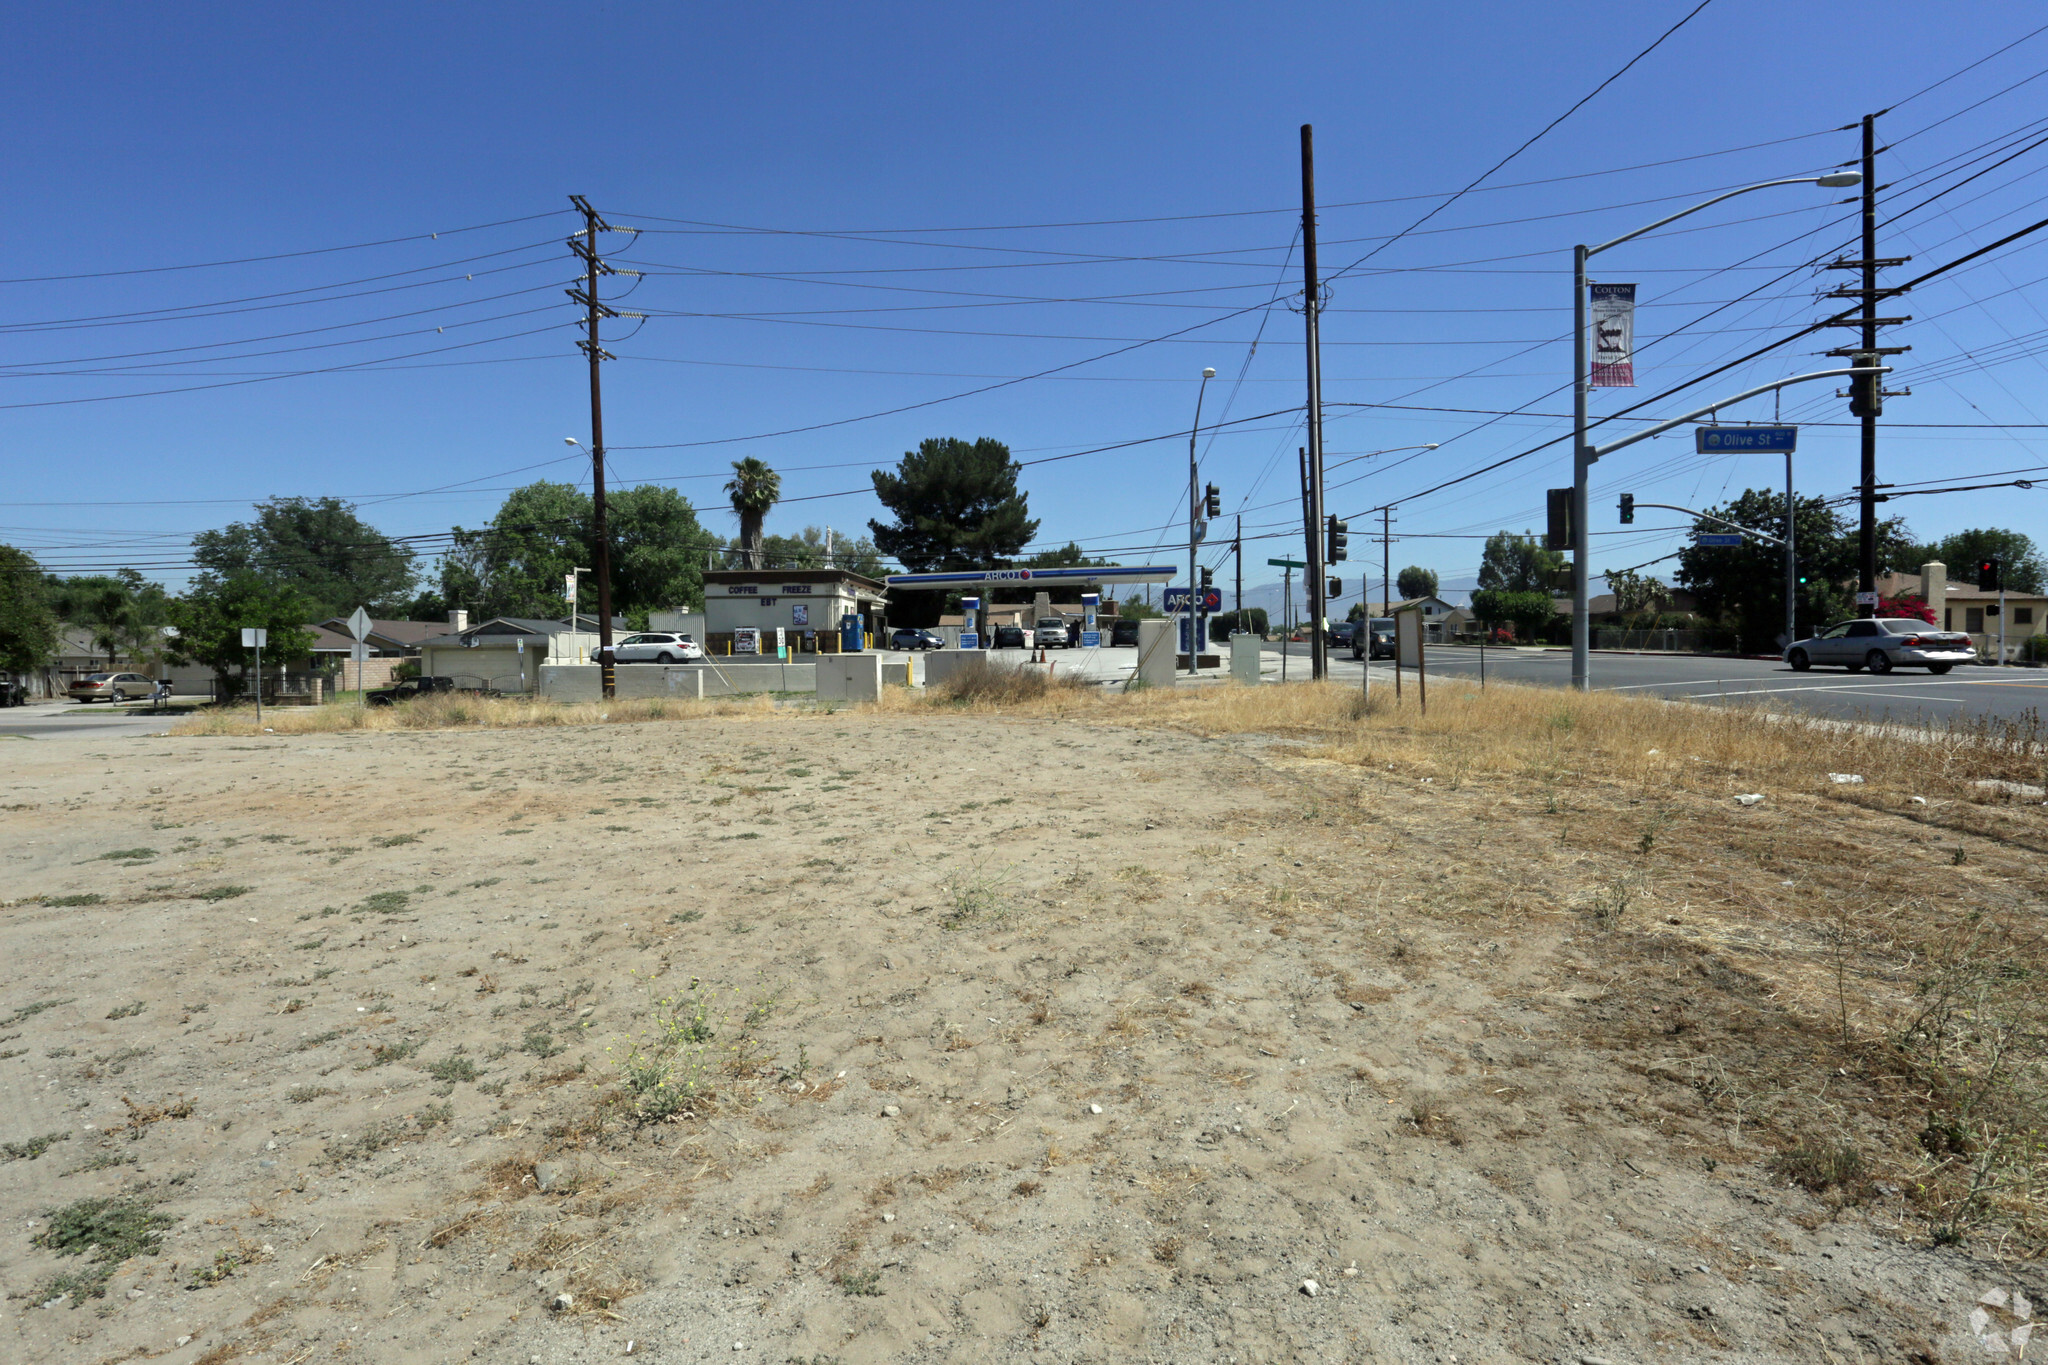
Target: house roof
389 634
515 627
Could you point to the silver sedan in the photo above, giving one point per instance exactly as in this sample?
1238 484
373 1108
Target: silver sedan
1881 645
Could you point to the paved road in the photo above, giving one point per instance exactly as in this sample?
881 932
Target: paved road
1907 695
80 720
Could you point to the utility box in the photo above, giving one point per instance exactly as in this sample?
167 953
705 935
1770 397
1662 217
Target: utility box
1245 652
850 677
1156 657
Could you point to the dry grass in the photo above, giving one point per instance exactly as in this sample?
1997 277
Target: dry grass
1858 971
454 711
983 683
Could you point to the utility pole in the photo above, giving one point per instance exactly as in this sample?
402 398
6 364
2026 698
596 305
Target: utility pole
594 311
1311 309
1195 534
1867 392
1791 562
1386 561
1237 549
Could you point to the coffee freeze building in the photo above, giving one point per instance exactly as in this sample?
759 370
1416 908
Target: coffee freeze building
807 604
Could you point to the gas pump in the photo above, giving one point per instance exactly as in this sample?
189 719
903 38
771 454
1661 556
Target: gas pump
1091 635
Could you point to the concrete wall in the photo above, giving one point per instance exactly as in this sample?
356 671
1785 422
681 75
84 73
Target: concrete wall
849 677
941 664
584 682
1157 641
727 677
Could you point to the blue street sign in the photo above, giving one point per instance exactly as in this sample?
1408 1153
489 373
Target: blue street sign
969 640
1716 541
1752 440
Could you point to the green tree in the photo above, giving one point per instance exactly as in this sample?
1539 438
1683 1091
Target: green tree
1528 611
1744 585
99 604
515 566
28 627
320 546
1067 556
1634 592
2020 564
658 551
1222 627
211 615
855 554
1136 608
1415 581
1512 563
956 506
753 490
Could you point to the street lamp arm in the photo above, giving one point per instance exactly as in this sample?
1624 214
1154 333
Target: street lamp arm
1722 521
1703 204
1595 452
1430 445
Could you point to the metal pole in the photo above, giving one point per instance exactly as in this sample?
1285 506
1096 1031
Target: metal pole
1319 659
1387 567
1237 549
1791 570
2001 621
1581 466
1286 601
1866 576
1194 516
259 685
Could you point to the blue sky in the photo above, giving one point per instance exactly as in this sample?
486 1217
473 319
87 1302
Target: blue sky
849 210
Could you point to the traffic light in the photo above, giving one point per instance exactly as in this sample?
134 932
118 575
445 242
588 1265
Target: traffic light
1988 578
1628 509
1557 534
1336 586
1339 538
1212 502
1208 578
1866 391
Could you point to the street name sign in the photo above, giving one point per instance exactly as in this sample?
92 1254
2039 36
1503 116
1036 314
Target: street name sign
255 637
1716 541
1287 563
1750 440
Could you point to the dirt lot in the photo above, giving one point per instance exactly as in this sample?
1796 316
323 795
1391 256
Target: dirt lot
937 1036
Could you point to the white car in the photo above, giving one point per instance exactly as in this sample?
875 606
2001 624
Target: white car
1051 633
657 648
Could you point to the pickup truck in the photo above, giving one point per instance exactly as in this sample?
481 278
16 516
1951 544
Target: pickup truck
1052 631
407 690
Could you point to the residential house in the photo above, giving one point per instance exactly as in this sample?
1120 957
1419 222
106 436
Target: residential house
1968 608
504 654
391 643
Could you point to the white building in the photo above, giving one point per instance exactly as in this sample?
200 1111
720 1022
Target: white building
807 604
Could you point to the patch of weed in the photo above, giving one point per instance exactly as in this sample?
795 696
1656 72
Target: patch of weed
220 893
84 898
453 1069
860 1283
107 1232
128 855
33 1148
128 1011
394 840
31 1011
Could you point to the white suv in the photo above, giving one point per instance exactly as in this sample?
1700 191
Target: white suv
1051 633
657 649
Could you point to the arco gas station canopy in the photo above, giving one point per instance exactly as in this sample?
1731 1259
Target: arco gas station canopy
976 578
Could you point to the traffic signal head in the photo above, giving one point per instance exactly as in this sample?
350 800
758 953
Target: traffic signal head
1339 541
1557 506
1212 502
1208 578
1628 509
1988 579
1336 586
1866 391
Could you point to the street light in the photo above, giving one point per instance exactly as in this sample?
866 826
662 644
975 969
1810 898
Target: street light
1582 460
1426 445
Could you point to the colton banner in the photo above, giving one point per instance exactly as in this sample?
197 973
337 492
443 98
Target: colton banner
1614 336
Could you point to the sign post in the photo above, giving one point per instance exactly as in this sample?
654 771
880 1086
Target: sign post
256 637
1287 568
359 626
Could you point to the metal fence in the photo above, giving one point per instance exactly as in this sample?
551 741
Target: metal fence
1673 641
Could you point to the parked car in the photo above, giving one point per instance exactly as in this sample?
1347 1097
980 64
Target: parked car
1882 645
659 647
13 691
1052 633
1011 637
114 687
907 638
407 690
1377 639
1124 633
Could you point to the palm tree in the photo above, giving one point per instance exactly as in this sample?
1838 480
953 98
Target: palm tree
754 489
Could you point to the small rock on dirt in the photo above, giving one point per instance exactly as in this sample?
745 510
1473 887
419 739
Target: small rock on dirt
1311 1288
890 1111
547 1175
562 1302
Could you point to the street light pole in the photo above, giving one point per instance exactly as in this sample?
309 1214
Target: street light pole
1583 455
1194 516
1791 572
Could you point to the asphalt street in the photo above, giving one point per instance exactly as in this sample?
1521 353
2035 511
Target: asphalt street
84 720
1908 695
